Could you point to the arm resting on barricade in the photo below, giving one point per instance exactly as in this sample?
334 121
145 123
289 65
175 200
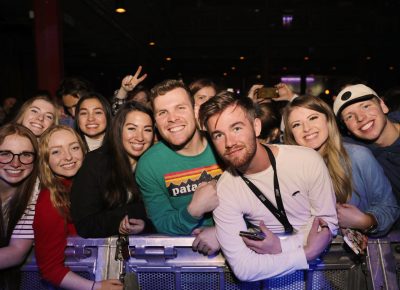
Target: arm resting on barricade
15 253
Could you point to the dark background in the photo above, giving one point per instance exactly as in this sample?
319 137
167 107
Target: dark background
330 39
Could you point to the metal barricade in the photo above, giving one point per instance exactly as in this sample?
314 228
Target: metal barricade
164 262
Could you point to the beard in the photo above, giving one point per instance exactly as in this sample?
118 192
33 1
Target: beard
247 153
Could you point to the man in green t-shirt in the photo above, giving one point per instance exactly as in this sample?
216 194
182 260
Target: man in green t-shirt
177 176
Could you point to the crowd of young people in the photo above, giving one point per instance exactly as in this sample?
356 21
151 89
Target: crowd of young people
104 176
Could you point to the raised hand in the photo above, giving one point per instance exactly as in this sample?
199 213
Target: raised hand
129 82
284 92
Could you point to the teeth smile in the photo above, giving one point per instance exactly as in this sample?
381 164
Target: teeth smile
176 129
14 171
92 126
138 146
311 136
366 126
68 166
37 125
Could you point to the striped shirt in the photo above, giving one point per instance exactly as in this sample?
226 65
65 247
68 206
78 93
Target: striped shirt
23 229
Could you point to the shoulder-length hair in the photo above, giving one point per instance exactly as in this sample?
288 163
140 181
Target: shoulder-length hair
21 113
106 108
122 179
59 192
24 190
335 155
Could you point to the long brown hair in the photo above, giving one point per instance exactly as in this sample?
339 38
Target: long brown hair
59 192
122 180
24 190
335 155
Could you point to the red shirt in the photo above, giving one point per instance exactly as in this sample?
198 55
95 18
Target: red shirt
51 231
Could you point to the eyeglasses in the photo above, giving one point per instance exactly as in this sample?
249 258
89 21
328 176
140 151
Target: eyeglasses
25 158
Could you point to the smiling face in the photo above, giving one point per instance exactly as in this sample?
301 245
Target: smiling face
137 134
92 118
366 120
175 118
65 153
15 172
234 136
39 116
309 127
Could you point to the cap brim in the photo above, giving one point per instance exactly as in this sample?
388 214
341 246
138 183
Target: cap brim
356 100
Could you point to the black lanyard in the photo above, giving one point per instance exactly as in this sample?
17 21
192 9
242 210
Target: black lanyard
279 212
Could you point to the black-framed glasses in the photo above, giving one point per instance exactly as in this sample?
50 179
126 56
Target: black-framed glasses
25 158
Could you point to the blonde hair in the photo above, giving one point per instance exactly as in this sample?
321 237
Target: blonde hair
334 154
21 113
59 193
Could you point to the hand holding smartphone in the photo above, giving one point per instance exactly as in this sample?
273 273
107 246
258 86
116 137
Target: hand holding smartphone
267 93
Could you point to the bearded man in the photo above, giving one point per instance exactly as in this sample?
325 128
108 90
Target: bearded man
284 191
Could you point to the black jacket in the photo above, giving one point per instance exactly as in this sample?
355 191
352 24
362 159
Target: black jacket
91 215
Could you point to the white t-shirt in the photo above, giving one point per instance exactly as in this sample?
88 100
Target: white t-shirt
307 192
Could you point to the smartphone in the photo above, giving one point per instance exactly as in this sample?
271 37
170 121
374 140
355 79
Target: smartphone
256 236
267 93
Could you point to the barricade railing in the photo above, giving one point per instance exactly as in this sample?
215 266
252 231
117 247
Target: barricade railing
165 262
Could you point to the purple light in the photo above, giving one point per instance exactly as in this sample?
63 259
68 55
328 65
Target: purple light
296 79
287 20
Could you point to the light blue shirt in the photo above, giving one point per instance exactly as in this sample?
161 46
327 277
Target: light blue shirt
373 192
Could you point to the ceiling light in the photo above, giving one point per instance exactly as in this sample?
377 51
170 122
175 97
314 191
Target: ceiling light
233 68
168 58
119 6
241 58
152 43
287 20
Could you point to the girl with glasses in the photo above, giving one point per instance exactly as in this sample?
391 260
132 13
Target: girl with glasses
18 173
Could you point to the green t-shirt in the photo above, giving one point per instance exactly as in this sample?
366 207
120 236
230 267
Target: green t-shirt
167 181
